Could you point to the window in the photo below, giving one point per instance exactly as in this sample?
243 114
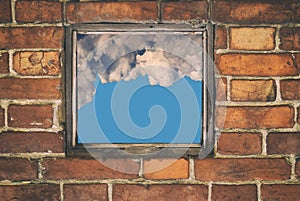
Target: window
134 90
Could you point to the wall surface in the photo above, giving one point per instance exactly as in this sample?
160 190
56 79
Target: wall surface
257 54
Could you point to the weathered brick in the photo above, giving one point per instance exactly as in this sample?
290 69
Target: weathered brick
166 169
31 37
111 12
14 88
221 37
252 38
160 192
298 119
39 192
289 38
297 169
241 169
256 64
240 143
30 116
255 117
280 192
180 11
5 11
89 169
283 143
38 11
37 63
16 169
253 90
221 89
290 89
4 66
31 142
256 11
233 193
2 118
85 192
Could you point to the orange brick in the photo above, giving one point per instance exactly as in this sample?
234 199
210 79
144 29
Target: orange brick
253 90
256 64
221 37
283 143
85 192
280 192
255 117
4 66
289 38
37 63
84 12
240 143
290 89
221 89
166 169
234 192
246 38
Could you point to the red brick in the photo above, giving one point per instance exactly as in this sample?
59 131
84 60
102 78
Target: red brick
88 169
252 38
31 37
30 192
234 193
31 142
290 89
37 63
255 117
241 169
221 37
240 143
221 89
253 90
2 118
38 11
256 11
283 143
180 11
16 169
14 88
166 169
30 116
257 64
160 192
85 192
111 12
280 192
289 38
4 66
5 11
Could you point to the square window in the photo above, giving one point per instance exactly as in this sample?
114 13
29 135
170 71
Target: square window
138 90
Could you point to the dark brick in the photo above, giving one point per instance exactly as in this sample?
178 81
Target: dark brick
221 89
160 192
4 66
283 143
290 89
221 37
5 11
85 192
298 115
280 192
2 118
234 193
297 169
289 38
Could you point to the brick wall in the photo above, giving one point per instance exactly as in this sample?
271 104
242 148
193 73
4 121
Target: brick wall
257 53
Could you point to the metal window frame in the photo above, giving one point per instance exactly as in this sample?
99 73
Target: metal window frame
139 150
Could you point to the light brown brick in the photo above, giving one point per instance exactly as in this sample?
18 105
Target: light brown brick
30 116
241 169
166 169
253 90
89 169
283 143
240 143
85 192
255 117
221 89
14 88
84 12
256 64
221 37
45 192
2 118
234 192
17 169
289 38
182 11
37 63
249 38
290 89
160 192
280 192
38 11
31 142
5 11
31 37
4 66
